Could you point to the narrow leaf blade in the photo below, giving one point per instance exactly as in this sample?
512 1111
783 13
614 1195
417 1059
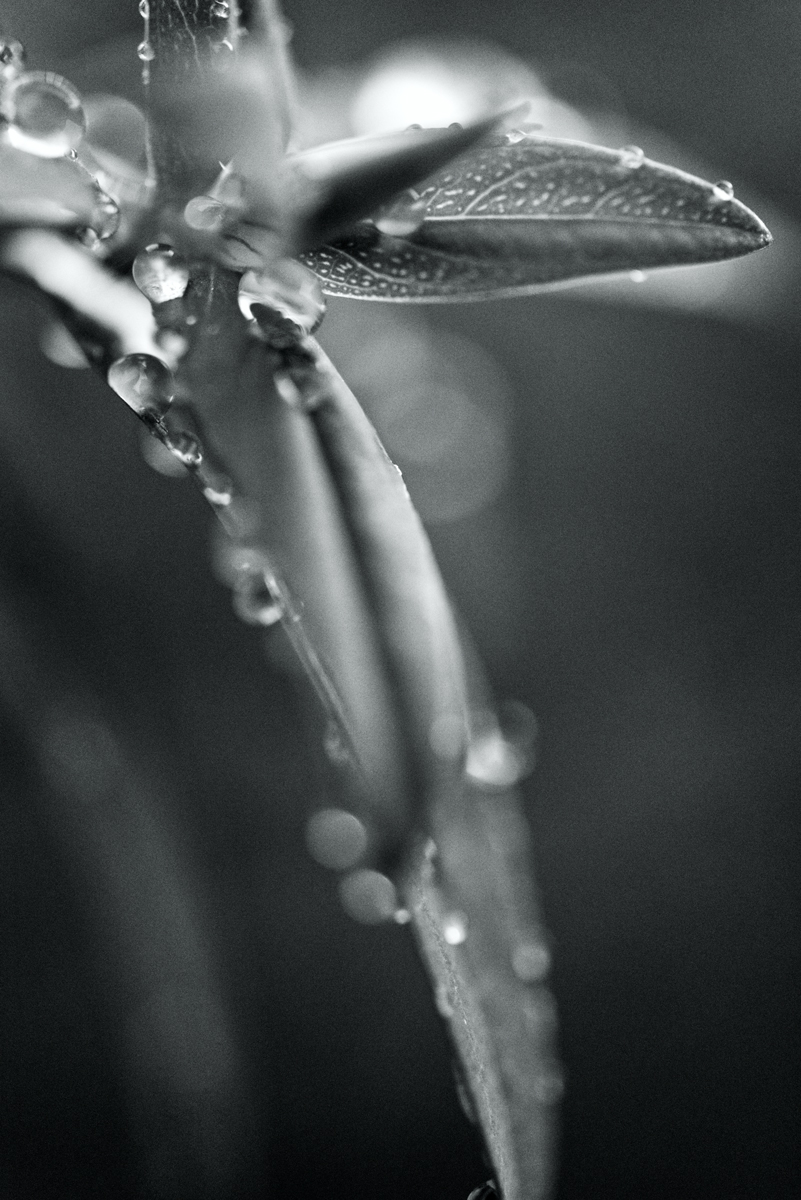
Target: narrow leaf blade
507 220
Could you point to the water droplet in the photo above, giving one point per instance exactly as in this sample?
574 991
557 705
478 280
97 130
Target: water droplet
144 9
220 9
368 896
402 916
144 382
456 125
223 54
288 289
486 1192
335 745
254 601
186 449
145 51
12 58
513 136
204 213
220 493
531 961
443 1001
44 113
106 215
454 928
723 189
160 273
502 752
336 839
638 276
401 218
412 127
632 157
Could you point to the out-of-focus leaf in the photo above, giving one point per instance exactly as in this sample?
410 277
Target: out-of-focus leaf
510 219
44 191
355 176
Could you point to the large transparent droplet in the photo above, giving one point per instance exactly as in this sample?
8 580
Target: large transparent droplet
12 58
336 839
402 218
160 273
44 114
288 289
143 382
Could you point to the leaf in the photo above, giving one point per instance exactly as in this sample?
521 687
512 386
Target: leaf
44 191
506 220
355 176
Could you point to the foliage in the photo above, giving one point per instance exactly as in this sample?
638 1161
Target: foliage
177 267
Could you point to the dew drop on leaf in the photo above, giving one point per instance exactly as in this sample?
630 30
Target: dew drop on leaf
160 273
220 493
638 276
723 189
632 157
401 218
287 288
44 113
220 9
12 58
514 136
144 382
336 839
454 928
145 51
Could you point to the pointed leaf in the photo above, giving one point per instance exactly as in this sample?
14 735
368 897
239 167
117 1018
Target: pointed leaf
355 176
510 219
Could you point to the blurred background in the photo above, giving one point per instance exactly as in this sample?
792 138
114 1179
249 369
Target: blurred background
610 477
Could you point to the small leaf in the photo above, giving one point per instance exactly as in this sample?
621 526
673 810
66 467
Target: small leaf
506 220
44 191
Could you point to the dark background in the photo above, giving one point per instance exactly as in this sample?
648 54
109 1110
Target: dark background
636 584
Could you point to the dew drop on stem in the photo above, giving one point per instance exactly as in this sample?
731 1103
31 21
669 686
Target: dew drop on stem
255 602
513 136
160 273
531 961
144 9
186 449
44 113
106 215
221 9
145 51
144 382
